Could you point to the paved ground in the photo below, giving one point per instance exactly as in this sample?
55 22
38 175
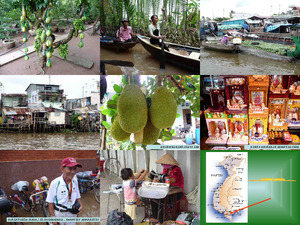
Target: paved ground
90 52
91 208
114 201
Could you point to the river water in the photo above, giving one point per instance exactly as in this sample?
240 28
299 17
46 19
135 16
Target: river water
219 63
144 63
51 141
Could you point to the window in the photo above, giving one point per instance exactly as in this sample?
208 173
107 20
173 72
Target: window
48 88
57 113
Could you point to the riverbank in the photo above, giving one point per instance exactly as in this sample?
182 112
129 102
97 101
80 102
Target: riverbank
50 141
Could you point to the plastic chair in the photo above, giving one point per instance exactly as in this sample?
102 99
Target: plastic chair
117 190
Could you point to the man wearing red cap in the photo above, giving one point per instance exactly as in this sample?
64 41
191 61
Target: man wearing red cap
64 193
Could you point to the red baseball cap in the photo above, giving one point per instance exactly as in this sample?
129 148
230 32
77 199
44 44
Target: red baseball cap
70 162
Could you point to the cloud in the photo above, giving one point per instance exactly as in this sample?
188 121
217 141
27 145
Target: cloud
240 4
72 85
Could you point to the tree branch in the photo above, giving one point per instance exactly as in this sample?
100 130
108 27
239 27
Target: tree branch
66 40
82 10
175 83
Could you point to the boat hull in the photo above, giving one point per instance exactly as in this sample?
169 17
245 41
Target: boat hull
110 43
220 47
182 61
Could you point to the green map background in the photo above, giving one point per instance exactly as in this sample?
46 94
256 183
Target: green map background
284 206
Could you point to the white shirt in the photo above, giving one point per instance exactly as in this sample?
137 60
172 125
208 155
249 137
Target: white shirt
152 29
58 188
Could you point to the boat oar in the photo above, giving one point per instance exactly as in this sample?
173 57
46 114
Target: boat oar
162 51
118 63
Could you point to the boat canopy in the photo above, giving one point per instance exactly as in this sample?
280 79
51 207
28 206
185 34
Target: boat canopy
231 26
276 26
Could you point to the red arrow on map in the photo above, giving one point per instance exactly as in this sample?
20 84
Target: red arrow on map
250 205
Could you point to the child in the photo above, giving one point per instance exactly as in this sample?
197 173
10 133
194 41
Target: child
129 183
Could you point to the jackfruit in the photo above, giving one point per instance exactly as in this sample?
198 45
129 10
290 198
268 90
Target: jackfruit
117 132
163 109
151 134
132 109
138 137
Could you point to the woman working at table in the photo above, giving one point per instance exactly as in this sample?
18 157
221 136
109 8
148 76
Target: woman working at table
171 167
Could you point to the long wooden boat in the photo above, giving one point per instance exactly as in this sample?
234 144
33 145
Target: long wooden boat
268 55
179 55
113 44
218 46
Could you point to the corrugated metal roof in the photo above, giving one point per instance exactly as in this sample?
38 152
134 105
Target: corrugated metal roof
13 95
16 111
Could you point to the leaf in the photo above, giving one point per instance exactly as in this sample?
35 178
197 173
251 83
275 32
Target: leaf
117 88
112 104
115 97
105 111
112 113
106 124
178 115
172 131
166 134
190 85
124 80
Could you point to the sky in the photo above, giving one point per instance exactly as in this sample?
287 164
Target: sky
220 8
72 84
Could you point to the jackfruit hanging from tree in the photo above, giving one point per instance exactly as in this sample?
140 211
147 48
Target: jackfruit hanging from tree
132 109
163 109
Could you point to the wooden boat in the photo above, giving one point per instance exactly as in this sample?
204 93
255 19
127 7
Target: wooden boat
218 46
179 55
111 43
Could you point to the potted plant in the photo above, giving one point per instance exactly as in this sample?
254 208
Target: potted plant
8 42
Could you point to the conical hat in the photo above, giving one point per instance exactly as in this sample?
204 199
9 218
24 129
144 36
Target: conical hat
167 159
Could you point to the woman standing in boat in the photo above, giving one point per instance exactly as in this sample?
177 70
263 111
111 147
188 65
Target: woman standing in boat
154 30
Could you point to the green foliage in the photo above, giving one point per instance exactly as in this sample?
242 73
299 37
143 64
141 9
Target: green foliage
63 50
75 119
269 47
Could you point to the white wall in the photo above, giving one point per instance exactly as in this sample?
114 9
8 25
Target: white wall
59 119
189 163
95 99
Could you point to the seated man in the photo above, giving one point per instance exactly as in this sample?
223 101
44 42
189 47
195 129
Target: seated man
125 32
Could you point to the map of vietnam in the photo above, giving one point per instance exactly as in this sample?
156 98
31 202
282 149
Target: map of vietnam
227 195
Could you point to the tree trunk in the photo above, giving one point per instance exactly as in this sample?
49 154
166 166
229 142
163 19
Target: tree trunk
95 27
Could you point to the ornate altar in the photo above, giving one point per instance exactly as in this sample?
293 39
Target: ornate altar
294 86
258 111
217 127
216 119
278 97
293 113
236 93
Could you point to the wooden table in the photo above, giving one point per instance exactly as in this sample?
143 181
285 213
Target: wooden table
163 205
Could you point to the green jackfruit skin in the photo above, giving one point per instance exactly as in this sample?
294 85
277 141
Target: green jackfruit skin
116 131
151 134
132 109
163 109
138 137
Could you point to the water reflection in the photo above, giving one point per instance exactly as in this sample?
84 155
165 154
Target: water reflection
57 141
144 63
215 63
